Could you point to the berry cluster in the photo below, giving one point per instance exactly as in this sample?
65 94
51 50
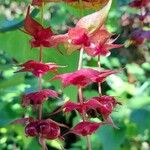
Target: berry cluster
47 129
90 36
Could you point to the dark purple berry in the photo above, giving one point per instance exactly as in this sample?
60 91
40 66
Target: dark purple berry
31 129
43 127
54 131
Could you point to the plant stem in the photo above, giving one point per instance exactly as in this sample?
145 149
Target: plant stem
88 142
40 59
80 59
99 84
81 100
43 144
40 106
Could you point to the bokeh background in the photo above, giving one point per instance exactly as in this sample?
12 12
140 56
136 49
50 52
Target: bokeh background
131 87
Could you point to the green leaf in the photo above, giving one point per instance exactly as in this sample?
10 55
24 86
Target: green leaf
141 118
111 138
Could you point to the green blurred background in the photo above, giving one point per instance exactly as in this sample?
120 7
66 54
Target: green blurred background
131 87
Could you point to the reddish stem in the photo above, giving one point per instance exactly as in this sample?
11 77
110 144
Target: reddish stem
42 142
99 84
81 100
40 59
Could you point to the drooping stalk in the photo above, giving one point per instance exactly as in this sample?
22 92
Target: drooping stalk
43 144
81 100
40 59
99 69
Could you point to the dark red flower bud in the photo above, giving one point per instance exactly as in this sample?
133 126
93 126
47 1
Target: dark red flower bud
43 127
108 103
54 131
31 129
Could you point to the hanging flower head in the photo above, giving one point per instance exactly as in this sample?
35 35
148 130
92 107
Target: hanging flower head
38 68
108 103
81 35
84 77
40 36
37 98
85 128
45 129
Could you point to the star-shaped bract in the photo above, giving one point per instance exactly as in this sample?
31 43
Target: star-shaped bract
37 98
101 43
40 36
38 68
84 77
81 108
85 128
108 103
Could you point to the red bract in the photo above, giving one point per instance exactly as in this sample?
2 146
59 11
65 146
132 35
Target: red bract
73 40
97 43
78 36
81 108
40 36
85 128
139 3
38 68
139 36
84 77
102 45
108 103
37 98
